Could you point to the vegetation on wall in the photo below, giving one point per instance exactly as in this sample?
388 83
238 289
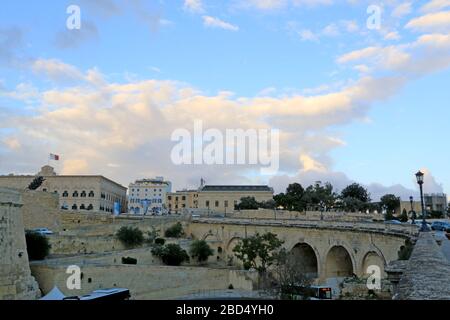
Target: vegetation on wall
36 183
170 254
130 237
200 250
175 231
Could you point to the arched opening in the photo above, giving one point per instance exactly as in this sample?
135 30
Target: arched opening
338 263
305 258
231 258
372 259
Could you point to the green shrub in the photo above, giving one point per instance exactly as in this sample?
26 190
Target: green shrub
38 246
200 250
171 254
129 260
175 231
406 250
160 241
130 237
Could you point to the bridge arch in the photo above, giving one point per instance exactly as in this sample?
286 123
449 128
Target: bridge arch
373 257
339 262
307 258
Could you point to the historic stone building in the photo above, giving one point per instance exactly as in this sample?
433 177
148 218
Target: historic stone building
148 196
16 282
216 198
76 192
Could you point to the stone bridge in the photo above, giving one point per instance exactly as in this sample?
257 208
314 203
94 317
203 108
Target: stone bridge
326 249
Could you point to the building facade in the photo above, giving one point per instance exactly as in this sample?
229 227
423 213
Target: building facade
75 192
148 196
435 202
216 198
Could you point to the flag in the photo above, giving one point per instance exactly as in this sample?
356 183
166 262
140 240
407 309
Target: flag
54 157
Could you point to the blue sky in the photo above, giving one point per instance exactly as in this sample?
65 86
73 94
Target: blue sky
352 103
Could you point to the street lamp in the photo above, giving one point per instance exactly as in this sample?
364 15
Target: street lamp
419 177
413 213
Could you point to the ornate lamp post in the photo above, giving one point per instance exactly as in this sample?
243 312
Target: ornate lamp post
419 177
413 213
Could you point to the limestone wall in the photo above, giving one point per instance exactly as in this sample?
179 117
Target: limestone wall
40 210
308 215
427 274
146 281
16 282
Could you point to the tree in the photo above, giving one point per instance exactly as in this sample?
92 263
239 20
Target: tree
355 198
388 216
292 200
291 279
390 201
258 251
130 237
175 231
319 196
200 250
404 216
38 246
171 254
36 183
247 203
356 191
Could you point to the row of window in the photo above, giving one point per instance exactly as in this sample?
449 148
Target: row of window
149 200
146 190
75 194
217 203
176 198
82 207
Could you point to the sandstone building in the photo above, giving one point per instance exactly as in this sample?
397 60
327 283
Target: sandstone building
216 198
75 192
148 196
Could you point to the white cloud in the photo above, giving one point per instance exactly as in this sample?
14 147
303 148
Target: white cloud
393 35
308 35
435 5
195 6
213 22
434 22
402 10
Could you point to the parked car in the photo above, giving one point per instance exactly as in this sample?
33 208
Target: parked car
440 225
393 222
43 231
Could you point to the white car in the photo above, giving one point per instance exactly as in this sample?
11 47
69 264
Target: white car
43 231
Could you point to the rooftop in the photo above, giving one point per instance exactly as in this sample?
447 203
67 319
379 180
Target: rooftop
237 188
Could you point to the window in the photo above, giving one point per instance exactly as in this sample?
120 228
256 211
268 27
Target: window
176 198
90 207
74 207
217 204
183 198
45 190
169 197
75 194
82 207
83 194
91 194
65 194
226 203
207 204
183 205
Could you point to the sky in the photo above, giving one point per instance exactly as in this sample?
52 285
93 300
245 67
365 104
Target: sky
357 96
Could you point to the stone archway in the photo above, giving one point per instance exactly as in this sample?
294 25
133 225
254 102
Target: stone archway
370 259
338 263
306 258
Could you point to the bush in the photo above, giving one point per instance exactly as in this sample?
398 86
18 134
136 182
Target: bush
200 250
171 254
406 250
130 237
160 241
38 246
175 231
36 183
129 260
